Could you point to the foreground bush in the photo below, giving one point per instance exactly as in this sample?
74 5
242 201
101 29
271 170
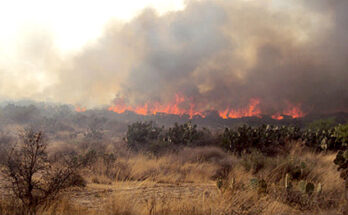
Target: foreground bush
34 181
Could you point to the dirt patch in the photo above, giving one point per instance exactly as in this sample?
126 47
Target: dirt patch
95 196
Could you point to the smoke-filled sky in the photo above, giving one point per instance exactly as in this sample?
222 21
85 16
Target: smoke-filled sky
217 54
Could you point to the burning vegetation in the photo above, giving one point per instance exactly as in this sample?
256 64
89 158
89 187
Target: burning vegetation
182 106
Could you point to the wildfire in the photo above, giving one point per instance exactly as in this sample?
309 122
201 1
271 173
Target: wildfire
177 107
80 109
184 106
252 110
277 116
293 111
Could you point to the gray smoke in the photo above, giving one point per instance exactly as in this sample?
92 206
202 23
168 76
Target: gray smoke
217 54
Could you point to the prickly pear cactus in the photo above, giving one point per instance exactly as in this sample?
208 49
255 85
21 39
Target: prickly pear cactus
259 184
302 186
262 187
219 183
309 188
254 183
342 162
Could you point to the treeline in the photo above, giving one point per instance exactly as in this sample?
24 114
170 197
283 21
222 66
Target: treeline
267 139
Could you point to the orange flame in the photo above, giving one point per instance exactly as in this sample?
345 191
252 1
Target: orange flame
172 108
277 116
293 110
80 109
252 110
178 107
182 106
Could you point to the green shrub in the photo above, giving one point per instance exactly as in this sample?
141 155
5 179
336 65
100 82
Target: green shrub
341 133
141 134
147 137
185 134
322 124
270 139
341 161
266 138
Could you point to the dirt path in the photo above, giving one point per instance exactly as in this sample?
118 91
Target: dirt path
95 196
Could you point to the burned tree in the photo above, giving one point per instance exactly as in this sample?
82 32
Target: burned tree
33 178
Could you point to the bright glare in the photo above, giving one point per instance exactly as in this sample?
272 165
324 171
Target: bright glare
72 23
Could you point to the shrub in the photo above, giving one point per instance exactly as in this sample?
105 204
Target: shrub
266 138
146 136
270 140
341 161
341 133
32 178
322 124
141 134
185 134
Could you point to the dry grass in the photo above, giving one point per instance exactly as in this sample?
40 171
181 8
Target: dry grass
195 166
185 183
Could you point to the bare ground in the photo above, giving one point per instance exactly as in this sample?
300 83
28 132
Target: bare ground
94 197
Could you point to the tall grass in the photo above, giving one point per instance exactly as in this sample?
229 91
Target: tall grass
140 183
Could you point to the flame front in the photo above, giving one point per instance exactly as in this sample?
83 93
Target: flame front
293 110
252 110
175 107
184 106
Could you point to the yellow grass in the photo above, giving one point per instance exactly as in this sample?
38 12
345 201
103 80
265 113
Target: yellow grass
185 183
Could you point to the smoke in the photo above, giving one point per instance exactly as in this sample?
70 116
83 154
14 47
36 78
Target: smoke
27 69
217 54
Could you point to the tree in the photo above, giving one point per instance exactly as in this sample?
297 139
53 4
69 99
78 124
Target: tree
33 178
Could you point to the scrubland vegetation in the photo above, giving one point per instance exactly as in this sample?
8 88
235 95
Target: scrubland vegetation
181 169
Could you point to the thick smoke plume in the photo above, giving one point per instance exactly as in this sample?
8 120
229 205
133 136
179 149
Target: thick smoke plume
215 55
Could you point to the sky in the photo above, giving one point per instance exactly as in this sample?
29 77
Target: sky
71 23
216 54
